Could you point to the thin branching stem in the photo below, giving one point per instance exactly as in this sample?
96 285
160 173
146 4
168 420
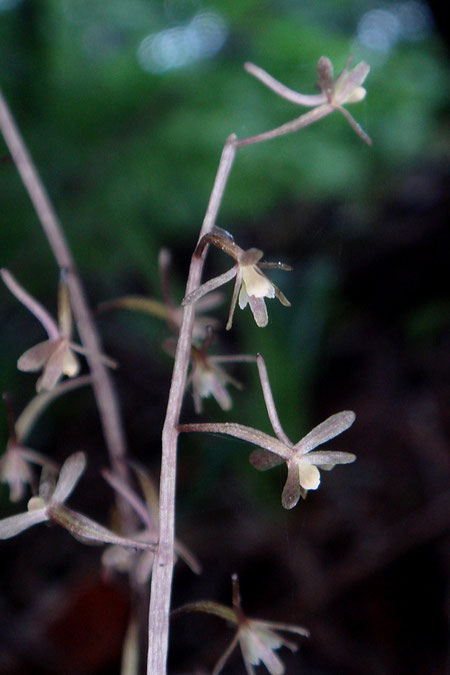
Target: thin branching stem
270 404
158 627
103 388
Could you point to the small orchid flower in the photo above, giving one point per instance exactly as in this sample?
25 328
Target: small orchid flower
15 469
15 463
49 506
257 639
55 356
302 463
167 309
251 285
335 93
140 563
208 378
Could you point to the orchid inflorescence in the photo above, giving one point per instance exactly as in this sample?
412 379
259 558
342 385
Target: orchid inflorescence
57 356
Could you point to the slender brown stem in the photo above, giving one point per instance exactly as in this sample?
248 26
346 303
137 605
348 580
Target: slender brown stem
270 404
294 125
103 389
161 586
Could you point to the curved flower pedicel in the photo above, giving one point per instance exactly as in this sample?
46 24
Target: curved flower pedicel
49 506
335 93
168 309
140 563
56 356
302 463
251 285
257 639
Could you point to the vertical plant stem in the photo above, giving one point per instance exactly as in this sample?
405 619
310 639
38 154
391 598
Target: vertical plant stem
161 587
103 389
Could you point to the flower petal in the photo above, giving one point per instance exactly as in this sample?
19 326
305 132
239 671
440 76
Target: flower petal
61 362
291 490
243 297
264 460
257 646
13 525
331 427
35 357
281 297
15 471
347 87
326 76
259 311
69 476
234 297
323 458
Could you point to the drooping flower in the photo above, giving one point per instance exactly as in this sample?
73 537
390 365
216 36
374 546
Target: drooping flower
302 463
168 309
56 356
140 563
49 506
335 93
257 639
15 463
251 286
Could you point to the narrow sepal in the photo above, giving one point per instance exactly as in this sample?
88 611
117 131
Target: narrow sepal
264 460
291 490
69 475
13 525
331 427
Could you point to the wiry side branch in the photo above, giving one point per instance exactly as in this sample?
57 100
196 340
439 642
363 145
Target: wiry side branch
102 385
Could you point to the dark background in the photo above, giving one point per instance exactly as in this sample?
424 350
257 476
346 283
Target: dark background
125 107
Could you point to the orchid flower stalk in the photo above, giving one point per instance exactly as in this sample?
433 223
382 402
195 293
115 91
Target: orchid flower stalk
302 463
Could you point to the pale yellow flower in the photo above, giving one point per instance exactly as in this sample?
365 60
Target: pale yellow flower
56 356
251 286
